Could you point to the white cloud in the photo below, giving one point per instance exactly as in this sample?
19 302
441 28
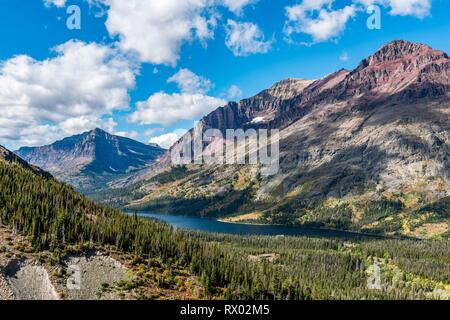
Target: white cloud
155 30
320 21
57 3
245 38
167 109
74 90
417 8
167 140
317 19
234 92
236 6
76 125
189 82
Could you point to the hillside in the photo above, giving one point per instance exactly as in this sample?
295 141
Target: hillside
366 149
45 226
8 156
92 159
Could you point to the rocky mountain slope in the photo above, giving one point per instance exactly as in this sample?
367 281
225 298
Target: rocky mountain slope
90 160
8 156
367 149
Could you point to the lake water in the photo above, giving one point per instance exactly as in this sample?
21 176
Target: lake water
212 225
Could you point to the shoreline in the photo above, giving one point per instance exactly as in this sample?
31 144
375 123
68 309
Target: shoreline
343 232
371 235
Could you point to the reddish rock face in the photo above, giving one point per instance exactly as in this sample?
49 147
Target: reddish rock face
399 71
396 67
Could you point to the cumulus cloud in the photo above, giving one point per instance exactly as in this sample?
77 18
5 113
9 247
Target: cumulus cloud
167 109
245 38
155 30
417 8
236 6
317 19
152 131
167 140
76 125
76 89
189 82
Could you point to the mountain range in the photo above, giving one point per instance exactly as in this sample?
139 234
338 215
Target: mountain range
90 160
364 149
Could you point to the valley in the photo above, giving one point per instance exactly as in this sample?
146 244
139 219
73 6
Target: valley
362 150
359 208
163 262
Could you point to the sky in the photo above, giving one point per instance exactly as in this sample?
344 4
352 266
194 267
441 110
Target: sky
148 69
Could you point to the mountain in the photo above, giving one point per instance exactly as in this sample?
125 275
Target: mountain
399 70
92 159
8 156
366 149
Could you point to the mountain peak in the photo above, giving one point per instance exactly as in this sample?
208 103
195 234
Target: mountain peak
401 50
400 68
98 130
288 88
94 153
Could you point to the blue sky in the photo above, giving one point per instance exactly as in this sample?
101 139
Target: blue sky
114 72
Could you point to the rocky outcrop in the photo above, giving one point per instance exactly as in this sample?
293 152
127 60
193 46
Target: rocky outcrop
397 67
258 110
29 281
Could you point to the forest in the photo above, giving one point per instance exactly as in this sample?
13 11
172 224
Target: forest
53 216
